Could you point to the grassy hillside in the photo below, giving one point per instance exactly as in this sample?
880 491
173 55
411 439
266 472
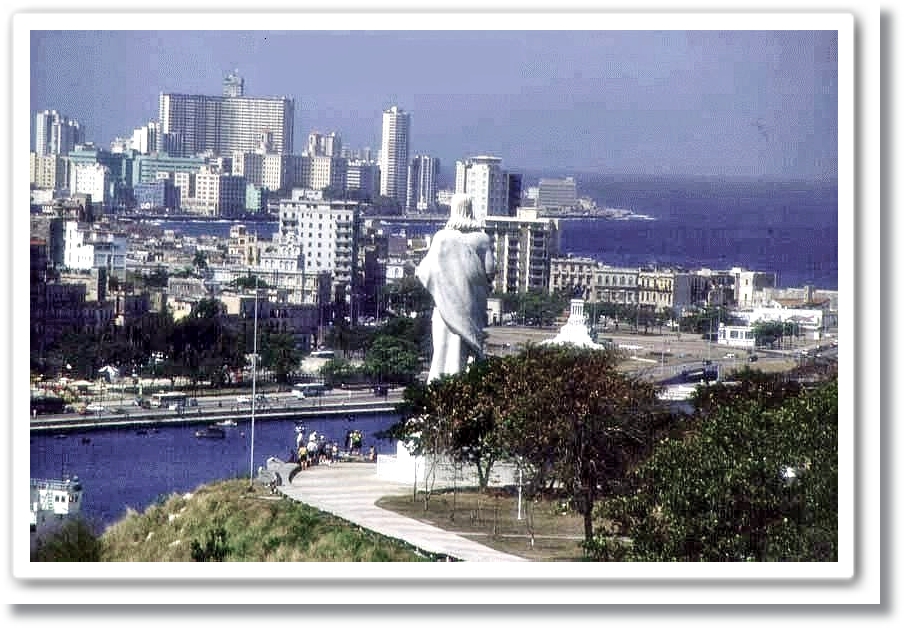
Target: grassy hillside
229 521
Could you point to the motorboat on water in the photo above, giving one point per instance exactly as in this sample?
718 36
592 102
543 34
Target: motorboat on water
211 432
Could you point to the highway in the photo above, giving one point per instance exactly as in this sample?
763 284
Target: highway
209 409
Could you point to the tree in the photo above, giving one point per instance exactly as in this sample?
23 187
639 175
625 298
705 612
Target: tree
279 354
574 418
748 482
564 414
391 359
249 282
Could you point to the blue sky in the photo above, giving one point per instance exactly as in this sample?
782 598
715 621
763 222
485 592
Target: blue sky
714 103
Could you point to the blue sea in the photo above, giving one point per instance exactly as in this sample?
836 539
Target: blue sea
786 227
122 468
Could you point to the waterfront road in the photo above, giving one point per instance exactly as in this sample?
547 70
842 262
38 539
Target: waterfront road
211 409
350 489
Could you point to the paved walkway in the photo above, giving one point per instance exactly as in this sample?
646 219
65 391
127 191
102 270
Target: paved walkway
349 490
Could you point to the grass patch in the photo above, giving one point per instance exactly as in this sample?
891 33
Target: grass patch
248 525
491 518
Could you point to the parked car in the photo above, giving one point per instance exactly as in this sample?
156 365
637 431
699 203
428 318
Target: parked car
730 356
752 358
94 407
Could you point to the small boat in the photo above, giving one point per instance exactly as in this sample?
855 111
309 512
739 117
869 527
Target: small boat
211 432
226 423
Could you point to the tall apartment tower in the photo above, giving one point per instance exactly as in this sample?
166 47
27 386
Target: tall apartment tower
394 154
55 134
422 174
192 124
326 144
484 180
233 85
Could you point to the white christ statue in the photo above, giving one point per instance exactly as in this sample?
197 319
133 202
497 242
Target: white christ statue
458 272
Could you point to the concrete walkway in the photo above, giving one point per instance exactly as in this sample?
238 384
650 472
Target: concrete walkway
349 490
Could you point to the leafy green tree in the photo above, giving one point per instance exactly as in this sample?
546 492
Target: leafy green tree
406 297
339 371
392 359
768 332
748 482
279 354
575 419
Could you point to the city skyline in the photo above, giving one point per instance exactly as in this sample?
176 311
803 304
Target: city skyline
708 103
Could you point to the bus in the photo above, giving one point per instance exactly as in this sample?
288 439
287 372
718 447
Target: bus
171 400
308 390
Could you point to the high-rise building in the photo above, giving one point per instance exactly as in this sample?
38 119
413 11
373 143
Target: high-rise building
233 85
325 144
557 193
394 154
55 134
363 176
422 174
483 179
327 233
524 246
192 124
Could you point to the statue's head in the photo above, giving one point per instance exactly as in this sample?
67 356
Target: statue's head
462 214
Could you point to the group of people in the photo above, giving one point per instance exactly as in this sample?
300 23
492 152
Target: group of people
315 449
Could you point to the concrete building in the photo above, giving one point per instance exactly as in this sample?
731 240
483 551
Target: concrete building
158 195
249 165
324 144
215 194
49 172
483 179
394 154
242 247
750 287
325 172
524 246
88 248
94 180
55 134
192 124
150 168
327 232
423 172
557 194
144 138
364 177
661 289
233 85
597 282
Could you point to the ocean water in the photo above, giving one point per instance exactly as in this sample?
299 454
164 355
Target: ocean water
789 228
122 468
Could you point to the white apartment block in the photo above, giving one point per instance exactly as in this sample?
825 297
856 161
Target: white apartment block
216 195
86 249
324 144
93 179
144 138
524 246
49 172
483 179
55 134
394 154
192 124
327 232
325 171
751 287
422 174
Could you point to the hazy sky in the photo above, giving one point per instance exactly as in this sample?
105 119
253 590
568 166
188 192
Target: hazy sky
748 103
